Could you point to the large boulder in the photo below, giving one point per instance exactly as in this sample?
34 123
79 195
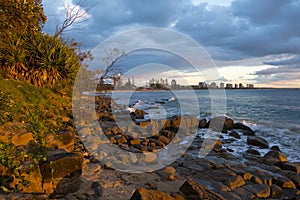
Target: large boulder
61 169
258 141
245 129
194 191
221 123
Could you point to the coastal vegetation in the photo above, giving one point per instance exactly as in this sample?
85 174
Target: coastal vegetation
37 71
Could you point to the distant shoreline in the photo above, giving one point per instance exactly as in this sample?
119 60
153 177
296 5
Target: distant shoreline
186 89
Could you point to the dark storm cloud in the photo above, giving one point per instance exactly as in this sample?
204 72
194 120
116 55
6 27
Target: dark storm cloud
246 28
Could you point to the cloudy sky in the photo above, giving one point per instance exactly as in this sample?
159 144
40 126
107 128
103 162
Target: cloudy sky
250 41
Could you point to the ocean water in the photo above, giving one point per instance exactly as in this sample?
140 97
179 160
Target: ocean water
274 114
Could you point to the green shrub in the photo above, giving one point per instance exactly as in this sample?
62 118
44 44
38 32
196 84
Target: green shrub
39 59
7 105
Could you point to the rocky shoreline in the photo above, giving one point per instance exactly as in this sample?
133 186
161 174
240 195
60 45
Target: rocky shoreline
72 172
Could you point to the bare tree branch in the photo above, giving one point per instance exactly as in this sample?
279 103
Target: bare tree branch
74 15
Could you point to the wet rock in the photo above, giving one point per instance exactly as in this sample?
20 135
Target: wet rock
294 167
275 190
221 123
202 123
257 141
275 156
245 129
275 148
284 182
164 139
235 182
235 134
253 152
256 180
97 189
244 194
144 194
193 191
296 179
261 191
168 173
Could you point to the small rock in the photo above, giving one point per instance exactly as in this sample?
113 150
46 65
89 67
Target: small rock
294 167
97 189
144 194
202 123
256 180
135 142
275 190
164 139
193 190
149 157
275 148
257 141
235 182
235 134
253 152
284 182
276 155
261 191
246 130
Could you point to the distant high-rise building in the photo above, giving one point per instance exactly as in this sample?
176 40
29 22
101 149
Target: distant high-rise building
222 85
213 85
241 85
236 86
173 83
202 85
229 86
250 86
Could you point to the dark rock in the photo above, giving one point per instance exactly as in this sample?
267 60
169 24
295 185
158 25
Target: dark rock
294 167
256 179
275 190
253 152
261 191
144 194
202 123
164 139
275 148
235 134
221 123
284 182
194 191
244 194
296 179
97 189
257 141
235 182
275 156
246 130
61 165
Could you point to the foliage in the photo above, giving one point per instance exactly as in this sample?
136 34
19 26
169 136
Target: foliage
20 16
7 105
37 107
39 59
